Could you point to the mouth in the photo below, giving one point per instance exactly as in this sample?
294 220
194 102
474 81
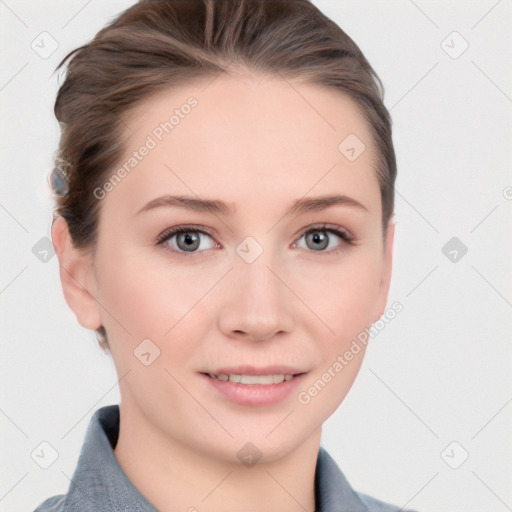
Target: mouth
251 386
252 380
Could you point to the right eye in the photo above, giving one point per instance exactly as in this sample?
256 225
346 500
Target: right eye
186 240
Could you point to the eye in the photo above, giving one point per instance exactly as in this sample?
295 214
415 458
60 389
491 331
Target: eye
186 240
320 238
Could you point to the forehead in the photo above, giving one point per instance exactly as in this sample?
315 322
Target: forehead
246 138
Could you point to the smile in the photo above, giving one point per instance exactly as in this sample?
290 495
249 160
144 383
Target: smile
254 387
252 379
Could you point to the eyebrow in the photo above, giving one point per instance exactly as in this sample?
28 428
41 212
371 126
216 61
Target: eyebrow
301 206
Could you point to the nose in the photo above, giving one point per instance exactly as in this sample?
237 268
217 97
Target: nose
256 305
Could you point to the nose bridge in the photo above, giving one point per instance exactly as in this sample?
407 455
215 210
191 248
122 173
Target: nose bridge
257 304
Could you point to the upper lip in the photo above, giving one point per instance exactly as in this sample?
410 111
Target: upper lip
252 370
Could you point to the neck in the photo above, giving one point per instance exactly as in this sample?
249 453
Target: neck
172 476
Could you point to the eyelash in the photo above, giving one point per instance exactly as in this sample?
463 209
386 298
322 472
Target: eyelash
329 228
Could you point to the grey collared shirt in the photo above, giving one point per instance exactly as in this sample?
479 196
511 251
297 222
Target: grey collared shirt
100 484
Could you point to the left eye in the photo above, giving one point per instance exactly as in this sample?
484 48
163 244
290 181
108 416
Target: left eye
319 239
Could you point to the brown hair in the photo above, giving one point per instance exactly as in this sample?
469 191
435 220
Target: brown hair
156 44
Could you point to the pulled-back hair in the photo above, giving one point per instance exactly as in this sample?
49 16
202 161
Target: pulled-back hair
157 44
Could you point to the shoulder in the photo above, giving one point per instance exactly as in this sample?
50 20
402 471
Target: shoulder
375 505
53 504
333 487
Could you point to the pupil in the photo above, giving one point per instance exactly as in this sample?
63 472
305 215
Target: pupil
319 238
191 241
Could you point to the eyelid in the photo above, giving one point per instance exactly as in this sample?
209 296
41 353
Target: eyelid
325 226
347 239
175 230
167 233
342 233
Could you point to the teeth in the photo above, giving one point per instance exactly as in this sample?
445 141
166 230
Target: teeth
252 379
260 379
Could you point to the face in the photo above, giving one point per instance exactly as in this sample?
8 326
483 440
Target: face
274 276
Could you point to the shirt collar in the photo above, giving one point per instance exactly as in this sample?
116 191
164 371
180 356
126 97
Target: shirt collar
99 482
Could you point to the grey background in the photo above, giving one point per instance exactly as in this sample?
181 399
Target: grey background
438 373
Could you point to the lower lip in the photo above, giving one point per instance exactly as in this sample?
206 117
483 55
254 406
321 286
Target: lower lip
255 394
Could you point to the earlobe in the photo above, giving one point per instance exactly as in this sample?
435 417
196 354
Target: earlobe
76 276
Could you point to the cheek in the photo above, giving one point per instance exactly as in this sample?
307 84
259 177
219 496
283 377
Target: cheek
151 297
342 293
343 298
173 306
326 388
163 300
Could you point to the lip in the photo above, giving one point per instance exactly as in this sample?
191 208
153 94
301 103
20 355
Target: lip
252 370
254 394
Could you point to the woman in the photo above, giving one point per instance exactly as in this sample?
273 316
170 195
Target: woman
224 190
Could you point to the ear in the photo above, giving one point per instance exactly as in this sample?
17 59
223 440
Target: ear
387 265
76 276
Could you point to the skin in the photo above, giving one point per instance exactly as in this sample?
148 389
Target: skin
256 144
